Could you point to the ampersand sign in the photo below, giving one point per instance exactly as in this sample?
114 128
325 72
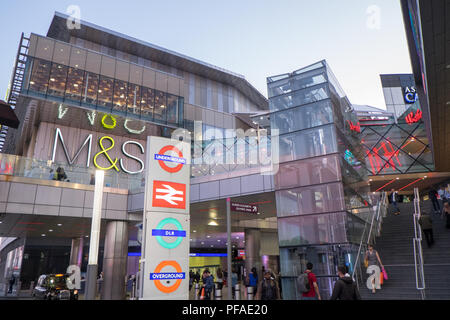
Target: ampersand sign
113 163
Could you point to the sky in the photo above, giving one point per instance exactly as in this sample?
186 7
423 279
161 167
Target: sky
360 39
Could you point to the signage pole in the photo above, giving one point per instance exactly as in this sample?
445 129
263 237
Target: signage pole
229 282
92 268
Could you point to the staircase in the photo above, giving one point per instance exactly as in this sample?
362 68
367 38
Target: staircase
395 247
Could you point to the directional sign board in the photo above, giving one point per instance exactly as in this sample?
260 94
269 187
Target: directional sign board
166 242
243 207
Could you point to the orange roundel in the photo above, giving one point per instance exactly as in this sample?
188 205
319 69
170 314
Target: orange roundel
158 283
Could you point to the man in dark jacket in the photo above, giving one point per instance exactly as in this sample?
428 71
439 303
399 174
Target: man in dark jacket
427 228
345 288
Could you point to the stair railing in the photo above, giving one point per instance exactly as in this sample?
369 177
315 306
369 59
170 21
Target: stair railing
417 245
373 232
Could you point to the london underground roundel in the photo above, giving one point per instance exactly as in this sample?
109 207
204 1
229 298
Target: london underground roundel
160 232
159 276
163 157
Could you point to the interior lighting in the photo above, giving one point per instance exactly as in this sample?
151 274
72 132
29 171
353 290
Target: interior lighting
212 223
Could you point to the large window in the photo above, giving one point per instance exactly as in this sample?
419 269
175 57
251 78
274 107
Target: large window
64 83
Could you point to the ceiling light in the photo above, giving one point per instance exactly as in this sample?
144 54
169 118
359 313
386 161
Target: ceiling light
218 240
237 238
212 223
163 106
50 230
203 243
75 85
86 236
1 222
397 178
43 234
59 224
212 246
424 176
208 236
370 179
52 79
194 230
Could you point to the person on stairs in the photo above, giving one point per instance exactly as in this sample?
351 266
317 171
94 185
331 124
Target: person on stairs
446 212
373 258
433 195
393 199
427 228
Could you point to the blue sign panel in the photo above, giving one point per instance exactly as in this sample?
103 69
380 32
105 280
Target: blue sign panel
163 157
167 276
168 233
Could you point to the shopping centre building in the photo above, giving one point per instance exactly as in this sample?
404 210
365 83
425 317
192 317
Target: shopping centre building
307 160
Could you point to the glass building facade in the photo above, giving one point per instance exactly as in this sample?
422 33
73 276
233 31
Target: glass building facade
321 193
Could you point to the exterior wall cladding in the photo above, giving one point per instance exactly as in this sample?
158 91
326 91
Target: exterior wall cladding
321 189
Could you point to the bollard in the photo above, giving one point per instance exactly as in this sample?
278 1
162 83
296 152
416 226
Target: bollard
133 291
249 293
218 294
197 289
237 292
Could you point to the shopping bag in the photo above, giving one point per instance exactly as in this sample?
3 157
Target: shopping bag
385 276
381 279
366 263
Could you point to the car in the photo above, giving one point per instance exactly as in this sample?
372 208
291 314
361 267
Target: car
54 287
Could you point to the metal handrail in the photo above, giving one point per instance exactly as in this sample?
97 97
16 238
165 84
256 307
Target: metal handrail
417 246
379 215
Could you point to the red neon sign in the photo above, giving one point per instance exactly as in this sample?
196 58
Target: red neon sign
412 118
388 151
354 127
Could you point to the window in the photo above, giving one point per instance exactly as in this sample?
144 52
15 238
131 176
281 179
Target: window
57 83
39 76
160 106
74 87
90 88
172 108
105 89
134 99
120 96
147 103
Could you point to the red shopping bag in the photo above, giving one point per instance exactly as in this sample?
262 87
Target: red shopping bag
381 279
385 276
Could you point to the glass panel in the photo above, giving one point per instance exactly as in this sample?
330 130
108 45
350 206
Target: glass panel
120 96
74 86
309 200
307 143
90 88
39 76
299 98
308 172
300 81
57 83
105 92
134 99
172 108
312 229
147 103
160 106
303 117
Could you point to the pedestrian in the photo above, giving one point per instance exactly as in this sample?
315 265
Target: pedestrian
446 212
393 199
219 275
208 284
427 228
311 290
373 258
268 288
12 281
92 182
52 175
61 175
253 281
191 279
345 288
197 277
433 194
234 281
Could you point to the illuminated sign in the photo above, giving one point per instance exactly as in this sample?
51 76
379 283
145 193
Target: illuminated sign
241 253
107 125
350 158
159 232
410 94
413 118
104 152
387 151
243 207
169 194
356 127
157 276
162 158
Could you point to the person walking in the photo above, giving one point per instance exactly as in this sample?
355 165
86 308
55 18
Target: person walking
433 195
268 288
313 293
219 281
234 281
427 228
208 284
345 288
373 258
446 213
12 281
253 281
393 199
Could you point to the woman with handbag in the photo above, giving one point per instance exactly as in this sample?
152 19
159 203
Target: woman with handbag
373 258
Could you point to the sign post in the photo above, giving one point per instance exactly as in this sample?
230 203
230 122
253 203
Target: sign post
229 282
166 220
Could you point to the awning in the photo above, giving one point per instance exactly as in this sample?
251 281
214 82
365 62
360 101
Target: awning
7 115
